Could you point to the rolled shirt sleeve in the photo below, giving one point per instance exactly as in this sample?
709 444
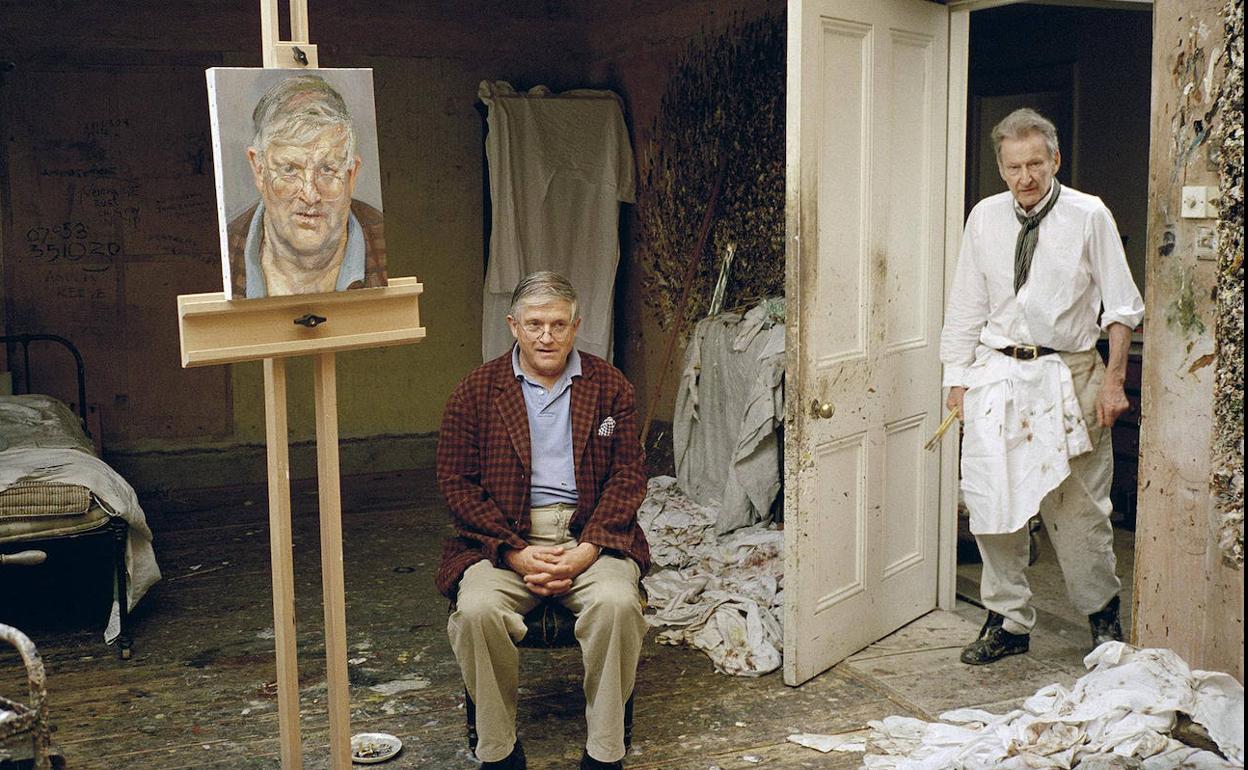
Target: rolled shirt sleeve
1119 295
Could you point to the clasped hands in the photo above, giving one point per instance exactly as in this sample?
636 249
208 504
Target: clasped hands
548 570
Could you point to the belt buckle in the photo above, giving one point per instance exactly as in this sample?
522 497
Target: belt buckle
1032 352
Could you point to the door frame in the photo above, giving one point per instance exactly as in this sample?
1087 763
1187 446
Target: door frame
955 193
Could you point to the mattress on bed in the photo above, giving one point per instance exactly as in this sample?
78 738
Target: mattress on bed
16 530
41 499
31 508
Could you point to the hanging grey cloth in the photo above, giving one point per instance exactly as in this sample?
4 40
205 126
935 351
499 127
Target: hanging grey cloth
1025 246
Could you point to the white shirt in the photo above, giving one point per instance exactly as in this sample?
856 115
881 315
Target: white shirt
1079 265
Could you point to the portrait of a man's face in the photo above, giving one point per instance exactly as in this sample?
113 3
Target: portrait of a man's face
297 179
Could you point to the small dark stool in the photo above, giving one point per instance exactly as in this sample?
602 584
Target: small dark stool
550 626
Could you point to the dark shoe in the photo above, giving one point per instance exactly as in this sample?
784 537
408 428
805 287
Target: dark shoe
514 761
994 643
1105 624
589 763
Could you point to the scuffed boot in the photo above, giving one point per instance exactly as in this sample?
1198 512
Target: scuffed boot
1105 624
994 643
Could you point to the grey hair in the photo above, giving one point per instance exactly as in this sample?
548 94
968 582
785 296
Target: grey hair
1021 123
297 108
542 287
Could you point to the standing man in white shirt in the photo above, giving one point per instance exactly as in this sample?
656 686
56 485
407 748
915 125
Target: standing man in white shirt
1040 274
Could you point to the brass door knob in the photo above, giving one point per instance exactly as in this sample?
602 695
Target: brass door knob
822 409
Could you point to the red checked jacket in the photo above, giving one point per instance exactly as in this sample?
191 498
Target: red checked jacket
484 461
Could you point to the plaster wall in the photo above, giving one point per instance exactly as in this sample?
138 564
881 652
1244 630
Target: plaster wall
428 58
1186 597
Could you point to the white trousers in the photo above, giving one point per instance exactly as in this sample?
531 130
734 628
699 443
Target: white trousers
1076 516
489 619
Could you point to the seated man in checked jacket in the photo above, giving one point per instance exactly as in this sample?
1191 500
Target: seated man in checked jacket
541 466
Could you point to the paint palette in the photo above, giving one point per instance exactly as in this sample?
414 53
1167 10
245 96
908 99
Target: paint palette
371 748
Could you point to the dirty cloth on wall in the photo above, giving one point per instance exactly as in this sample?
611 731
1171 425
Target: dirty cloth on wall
729 406
42 443
1125 706
560 165
719 594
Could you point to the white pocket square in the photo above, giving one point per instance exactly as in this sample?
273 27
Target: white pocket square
607 427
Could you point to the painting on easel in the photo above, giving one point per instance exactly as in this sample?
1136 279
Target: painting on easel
298 182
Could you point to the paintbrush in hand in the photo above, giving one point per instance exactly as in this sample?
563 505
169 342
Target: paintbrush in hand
934 441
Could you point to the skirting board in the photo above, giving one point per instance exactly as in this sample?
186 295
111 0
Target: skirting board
151 472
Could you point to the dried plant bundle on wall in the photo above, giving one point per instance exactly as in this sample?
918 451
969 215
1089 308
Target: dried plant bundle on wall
724 104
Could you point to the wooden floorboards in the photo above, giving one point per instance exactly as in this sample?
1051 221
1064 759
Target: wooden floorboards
199 692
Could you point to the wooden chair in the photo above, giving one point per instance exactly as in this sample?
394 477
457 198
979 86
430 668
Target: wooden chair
550 626
29 718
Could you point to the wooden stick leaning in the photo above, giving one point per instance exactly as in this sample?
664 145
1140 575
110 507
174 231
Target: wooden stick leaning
704 231
934 441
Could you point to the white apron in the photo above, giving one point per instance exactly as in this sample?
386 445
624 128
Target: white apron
1022 425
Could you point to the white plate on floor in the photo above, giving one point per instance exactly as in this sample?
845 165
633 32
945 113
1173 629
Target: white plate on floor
371 748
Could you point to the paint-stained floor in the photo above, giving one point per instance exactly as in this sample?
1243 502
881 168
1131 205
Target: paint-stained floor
199 691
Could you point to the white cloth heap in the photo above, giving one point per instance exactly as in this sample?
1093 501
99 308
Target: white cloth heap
1125 707
722 595
1022 426
560 165
39 448
1079 265
728 407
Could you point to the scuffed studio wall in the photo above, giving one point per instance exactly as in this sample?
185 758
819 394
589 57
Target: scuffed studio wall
1187 597
135 69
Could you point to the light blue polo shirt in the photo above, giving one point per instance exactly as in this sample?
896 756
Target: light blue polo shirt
550 433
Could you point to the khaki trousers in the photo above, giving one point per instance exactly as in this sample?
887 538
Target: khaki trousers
1076 515
489 619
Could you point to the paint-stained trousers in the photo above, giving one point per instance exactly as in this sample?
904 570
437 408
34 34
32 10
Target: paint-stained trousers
1076 515
489 619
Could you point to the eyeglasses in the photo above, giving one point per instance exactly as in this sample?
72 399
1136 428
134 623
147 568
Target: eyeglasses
558 330
289 181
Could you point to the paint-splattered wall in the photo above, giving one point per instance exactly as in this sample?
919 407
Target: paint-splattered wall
1187 596
1228 384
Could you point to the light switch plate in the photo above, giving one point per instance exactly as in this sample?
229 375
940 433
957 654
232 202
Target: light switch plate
1199 202
1205 242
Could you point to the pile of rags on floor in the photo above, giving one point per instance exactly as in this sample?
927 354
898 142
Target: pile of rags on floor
718 567
1121 715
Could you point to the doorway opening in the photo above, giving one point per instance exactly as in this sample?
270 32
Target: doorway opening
1088 70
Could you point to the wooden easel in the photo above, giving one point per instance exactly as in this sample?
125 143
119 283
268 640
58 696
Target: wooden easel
214 331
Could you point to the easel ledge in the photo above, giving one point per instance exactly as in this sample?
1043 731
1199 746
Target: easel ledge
215 330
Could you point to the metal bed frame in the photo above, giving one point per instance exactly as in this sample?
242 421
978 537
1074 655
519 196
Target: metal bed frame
116 529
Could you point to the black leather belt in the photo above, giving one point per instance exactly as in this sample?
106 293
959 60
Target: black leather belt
1027 352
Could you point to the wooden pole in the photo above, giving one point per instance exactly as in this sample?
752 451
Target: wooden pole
704 231
333 584
281 555
269 32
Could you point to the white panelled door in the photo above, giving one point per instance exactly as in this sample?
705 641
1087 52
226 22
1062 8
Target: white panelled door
865 221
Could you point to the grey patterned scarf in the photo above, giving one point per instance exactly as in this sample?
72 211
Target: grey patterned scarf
1025 246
